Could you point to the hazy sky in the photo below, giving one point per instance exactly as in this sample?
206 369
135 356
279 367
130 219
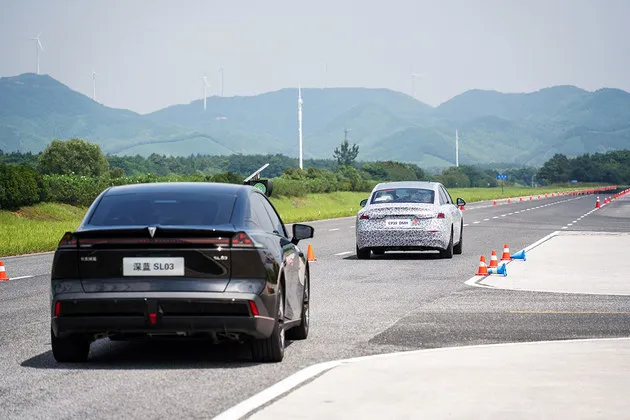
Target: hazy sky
151 54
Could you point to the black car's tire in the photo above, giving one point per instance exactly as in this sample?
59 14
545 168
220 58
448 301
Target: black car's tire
363 253
301 331
271 349
448 252
459 248
70 349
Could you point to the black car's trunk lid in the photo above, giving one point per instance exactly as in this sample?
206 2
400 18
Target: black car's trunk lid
139 259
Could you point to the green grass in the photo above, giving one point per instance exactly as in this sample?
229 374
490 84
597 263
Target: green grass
318 206
483 194
39 228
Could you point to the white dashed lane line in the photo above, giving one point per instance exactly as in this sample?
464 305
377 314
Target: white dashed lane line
332 230
530 209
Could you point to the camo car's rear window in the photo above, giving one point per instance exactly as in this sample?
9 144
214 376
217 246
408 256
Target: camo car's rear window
404 195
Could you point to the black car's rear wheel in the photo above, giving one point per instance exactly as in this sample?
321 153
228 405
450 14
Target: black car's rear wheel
73 349
301 331
271 349
363 253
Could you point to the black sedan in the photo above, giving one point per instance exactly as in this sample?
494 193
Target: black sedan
181 259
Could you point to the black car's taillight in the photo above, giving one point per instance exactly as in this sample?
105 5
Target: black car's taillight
68 241
242 240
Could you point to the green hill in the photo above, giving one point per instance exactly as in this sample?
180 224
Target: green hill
515 128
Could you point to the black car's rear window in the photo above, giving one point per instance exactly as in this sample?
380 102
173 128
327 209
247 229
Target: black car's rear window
163 208
403 195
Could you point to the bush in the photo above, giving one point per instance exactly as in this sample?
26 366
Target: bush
73 157
19 186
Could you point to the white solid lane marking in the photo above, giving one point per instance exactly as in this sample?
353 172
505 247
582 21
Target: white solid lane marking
344 253
290 383
332 230
20 278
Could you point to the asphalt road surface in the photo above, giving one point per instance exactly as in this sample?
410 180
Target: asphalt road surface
392 303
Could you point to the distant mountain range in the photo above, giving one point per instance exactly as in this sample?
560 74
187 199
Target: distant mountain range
494 127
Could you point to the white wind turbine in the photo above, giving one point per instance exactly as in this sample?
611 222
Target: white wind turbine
222 71
206 85
299 104
38 47
94 85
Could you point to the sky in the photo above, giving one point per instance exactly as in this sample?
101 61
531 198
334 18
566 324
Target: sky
152 54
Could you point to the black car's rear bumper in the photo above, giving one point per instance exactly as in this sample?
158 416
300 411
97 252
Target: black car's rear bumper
131 313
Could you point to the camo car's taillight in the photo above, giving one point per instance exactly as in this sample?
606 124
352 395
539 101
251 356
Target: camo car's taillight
364 216
441 216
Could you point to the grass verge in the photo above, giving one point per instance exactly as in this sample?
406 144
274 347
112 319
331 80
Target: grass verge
39 228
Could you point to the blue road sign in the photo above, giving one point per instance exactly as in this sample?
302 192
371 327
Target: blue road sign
503 177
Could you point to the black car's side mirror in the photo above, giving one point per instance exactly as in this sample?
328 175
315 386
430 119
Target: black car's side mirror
302 232
461 202
363 203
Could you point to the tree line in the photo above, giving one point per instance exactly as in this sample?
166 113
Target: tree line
610 167
75 171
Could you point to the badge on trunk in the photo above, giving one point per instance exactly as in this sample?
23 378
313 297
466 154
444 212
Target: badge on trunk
151 231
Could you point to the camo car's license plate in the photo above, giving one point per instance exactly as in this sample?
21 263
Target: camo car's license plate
153 266
396 223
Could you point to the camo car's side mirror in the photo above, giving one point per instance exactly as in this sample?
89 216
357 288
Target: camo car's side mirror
363 202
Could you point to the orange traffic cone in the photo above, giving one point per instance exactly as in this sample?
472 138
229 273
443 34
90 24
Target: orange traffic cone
509 201
494 263
462 208
3 272
506 253
597 204
495 203
483 269
309 254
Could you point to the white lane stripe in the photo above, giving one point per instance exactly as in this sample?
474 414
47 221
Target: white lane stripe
476 222
344 253
485 220
570 224
466 224
241 410
564 227
503 215
332 230
495 217
20 278
287 385
575 221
